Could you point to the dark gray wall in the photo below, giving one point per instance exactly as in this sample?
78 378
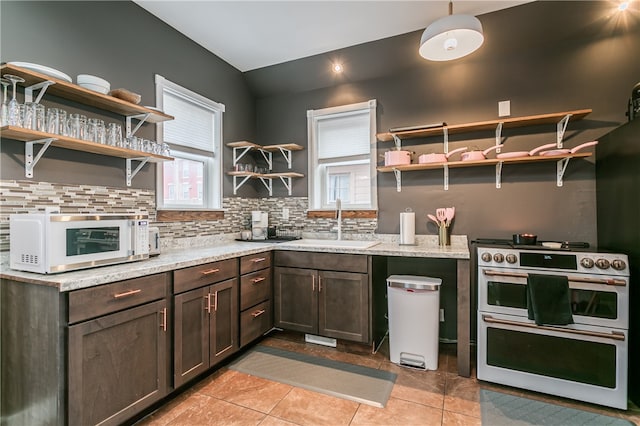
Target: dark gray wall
126 45
544 56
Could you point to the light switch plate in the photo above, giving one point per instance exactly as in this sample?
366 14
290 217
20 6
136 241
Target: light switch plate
504 108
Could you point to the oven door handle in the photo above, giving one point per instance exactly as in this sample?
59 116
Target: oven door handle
606 281
615 335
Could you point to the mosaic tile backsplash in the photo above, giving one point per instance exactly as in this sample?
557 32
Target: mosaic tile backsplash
29 196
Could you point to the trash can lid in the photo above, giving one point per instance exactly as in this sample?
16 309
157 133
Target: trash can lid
414 281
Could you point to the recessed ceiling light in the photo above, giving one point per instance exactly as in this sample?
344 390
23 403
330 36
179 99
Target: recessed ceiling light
337 67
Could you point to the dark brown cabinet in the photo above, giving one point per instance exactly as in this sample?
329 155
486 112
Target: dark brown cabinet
118 358
316 300
205 318
256 316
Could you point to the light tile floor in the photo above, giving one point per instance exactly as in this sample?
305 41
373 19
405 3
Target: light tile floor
227 397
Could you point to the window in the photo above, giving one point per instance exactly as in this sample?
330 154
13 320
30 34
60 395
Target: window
194 179
342 156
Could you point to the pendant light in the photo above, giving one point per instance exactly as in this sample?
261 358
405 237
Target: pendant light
451 37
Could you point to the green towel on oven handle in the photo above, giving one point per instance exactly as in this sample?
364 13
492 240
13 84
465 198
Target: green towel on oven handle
548 299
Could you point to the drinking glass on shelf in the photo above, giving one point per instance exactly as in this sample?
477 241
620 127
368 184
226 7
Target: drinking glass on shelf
39 117
77 126
13 114
56 121
114 134
95 130
4 109
166 151
28 116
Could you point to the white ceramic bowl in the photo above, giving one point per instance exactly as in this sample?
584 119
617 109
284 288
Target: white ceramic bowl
94 83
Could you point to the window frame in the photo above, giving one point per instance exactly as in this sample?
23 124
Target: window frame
213 171
316 189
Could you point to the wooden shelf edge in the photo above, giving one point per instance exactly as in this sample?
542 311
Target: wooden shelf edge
247 144
266 175
25 135
507 123
77 93
489 162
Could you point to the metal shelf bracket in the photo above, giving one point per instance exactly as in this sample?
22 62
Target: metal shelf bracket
499 175
243 150
268 157
28 91
445 168
561 127
237 185
498 136
561 167
131 174
29 160
398 175
268 183
445 133
286 153
142 117
397 142
286 181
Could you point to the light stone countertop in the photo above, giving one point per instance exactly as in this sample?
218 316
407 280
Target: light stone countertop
192 255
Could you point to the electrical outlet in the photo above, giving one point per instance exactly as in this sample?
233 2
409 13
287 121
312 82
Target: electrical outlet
504 108
285 213
441 315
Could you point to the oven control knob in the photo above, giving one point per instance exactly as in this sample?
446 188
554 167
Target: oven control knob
486 257
618 264
602 263
586 263
498 257
511 258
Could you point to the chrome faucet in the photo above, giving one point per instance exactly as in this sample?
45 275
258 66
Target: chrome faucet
339 217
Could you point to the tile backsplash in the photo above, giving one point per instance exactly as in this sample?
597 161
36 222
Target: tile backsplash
28 196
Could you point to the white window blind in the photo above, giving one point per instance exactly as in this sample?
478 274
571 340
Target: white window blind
193 125
343 135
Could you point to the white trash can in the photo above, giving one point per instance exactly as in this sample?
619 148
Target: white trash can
414 307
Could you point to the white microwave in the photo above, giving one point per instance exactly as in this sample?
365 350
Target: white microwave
48 243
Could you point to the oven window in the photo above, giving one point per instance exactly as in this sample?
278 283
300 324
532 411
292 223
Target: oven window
92 240
574 360
590 303
507 294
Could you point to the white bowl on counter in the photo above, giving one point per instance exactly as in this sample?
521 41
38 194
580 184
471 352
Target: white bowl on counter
94 83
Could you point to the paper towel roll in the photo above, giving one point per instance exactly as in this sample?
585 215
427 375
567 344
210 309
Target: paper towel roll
407 228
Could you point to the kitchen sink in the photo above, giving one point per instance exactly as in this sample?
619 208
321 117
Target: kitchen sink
333 243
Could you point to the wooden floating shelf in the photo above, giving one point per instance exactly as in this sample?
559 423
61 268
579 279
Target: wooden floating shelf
267 175
270 148
26 135
488 162
79 94
507 123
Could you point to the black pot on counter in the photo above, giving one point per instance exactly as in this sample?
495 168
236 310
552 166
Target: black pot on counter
525 239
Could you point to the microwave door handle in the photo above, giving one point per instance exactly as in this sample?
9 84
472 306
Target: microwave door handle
131 224
613 335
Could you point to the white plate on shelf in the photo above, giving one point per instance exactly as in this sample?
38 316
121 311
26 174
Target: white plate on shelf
51 72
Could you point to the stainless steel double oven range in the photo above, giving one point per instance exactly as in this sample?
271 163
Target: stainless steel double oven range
586 360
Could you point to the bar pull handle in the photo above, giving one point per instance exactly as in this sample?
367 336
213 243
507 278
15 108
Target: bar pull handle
319 284
259 259
207 303
163 323
256 314
257 280
210 271
313 283
215 301
606 281
126 293
613 335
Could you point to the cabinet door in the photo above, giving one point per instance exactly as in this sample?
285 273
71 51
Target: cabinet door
296 299
191 335
224 320
344 305
117 364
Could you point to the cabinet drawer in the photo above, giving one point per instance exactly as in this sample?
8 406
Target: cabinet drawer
255 288
254 262
322 261
208 273
255 322
97 301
